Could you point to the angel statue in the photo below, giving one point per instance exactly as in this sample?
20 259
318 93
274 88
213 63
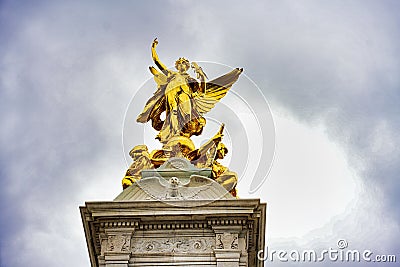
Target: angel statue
183 99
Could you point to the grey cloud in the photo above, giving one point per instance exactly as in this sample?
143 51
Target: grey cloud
69 69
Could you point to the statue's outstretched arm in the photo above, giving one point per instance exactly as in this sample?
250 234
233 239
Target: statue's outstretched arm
157 61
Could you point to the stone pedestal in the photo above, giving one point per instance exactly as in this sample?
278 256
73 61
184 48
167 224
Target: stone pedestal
204 227
153 233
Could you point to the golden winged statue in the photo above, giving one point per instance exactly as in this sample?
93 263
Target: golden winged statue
182 98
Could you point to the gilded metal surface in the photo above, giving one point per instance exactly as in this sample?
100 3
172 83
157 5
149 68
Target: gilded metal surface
141 161
183 100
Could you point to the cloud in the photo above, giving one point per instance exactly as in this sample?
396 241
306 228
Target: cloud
69 69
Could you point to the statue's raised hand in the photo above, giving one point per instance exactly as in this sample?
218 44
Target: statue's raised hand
199 71
155 43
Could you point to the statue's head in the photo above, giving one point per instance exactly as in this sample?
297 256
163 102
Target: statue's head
138 151
182 64
221 151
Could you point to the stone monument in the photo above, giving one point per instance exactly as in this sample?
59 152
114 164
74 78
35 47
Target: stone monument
179 204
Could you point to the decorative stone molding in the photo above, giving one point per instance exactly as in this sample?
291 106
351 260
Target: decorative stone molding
119 224
227 222
168 226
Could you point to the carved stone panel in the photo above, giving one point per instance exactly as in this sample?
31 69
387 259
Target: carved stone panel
118 243
173 245
116 240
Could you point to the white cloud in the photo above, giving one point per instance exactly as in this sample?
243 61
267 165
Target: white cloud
310 182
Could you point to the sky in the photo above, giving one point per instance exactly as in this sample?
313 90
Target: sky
73 75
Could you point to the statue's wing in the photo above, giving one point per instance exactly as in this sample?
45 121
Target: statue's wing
195 185
156 104
154 186
215 90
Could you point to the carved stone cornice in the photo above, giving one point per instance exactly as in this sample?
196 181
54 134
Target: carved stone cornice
226 221
171 226
119 224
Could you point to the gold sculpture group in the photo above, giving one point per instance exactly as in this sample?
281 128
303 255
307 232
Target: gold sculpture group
183 100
